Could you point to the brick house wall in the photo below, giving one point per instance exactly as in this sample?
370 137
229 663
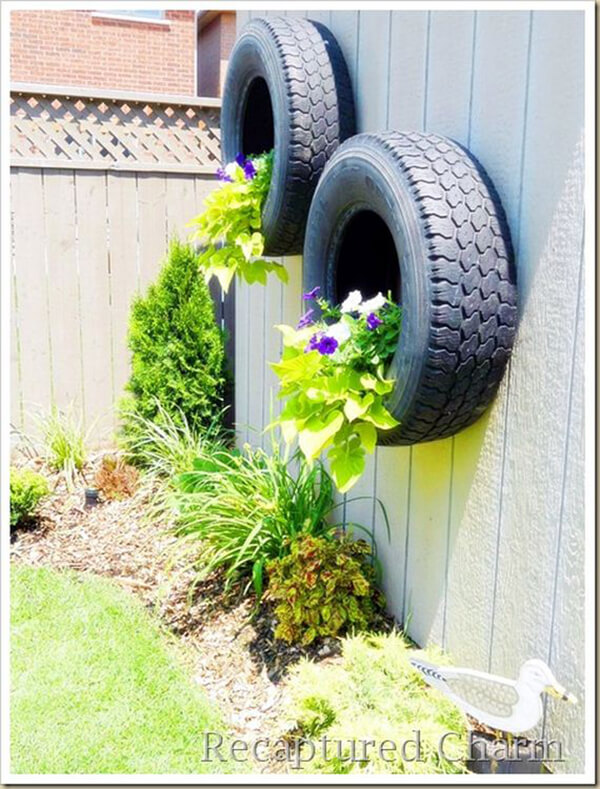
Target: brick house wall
64 47
216 37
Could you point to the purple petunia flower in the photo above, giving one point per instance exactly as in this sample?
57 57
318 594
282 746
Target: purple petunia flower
249 170
222 175
327 345
313 343
373 321
305 320
240 159
312 294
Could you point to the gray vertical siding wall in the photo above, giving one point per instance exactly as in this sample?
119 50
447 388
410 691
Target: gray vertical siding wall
487 545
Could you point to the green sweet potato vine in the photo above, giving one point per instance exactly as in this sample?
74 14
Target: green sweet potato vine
229 229
332 374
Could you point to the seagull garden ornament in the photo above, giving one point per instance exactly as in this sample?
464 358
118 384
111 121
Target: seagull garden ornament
502 704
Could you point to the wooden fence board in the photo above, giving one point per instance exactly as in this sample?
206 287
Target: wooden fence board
408 65
373 59
449 72
152 218
242 367
31 289
91 197
63 288
272 351
122 219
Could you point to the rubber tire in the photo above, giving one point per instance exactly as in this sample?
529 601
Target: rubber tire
313 112
458 279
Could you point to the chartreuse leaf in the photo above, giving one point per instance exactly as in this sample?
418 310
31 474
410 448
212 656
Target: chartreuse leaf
224 275
355 406
380 416
369 381
317 432
304 366
347 464
367 434
289 430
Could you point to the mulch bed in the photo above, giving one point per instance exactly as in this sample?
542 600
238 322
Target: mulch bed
231 649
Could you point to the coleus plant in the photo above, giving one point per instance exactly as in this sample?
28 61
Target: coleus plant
332 374
229 229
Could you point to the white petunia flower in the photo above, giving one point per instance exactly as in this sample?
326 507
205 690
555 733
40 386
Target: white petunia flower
372 305
231 169
352 302
340 331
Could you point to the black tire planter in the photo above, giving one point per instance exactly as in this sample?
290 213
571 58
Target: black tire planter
521 757
415 214
287 89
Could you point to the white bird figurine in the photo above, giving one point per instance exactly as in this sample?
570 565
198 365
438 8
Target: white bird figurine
506 705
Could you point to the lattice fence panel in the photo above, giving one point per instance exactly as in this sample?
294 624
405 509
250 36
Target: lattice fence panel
97 133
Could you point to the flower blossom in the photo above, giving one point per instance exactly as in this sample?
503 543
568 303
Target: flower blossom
340 331
313 343
327 345
373 321
305 320
246 165
222 175
231 170
312 294
352 302
372 305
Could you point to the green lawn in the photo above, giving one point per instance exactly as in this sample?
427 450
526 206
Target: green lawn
96 685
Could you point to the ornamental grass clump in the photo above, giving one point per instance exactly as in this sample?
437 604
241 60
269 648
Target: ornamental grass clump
323 587
64 443
239 510
229 229
332 374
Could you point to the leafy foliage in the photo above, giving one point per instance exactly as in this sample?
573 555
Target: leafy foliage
322 588
167 445
229 228
115 478
374 693
26 491
64 442
332 376
178 358
238 510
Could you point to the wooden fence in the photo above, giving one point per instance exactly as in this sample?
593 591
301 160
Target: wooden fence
99 184
486 555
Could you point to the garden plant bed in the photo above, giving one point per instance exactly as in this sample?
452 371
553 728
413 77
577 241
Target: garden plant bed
231 655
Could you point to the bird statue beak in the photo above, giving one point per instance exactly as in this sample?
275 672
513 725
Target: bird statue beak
561 693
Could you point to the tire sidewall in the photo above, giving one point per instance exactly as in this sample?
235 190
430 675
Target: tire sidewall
255 55
360 177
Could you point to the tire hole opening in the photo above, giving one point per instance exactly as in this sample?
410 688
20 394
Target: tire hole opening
258 131
367 259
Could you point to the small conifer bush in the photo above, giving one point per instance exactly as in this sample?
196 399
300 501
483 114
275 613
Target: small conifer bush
178 358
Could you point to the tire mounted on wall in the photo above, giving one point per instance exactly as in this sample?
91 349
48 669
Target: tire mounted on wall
454 271
287 88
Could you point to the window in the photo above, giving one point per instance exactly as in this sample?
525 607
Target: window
144 14
155 17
